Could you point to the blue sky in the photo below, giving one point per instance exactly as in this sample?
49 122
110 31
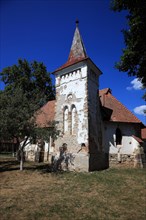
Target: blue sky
42 30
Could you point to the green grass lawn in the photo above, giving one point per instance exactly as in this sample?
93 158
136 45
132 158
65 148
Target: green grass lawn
36 194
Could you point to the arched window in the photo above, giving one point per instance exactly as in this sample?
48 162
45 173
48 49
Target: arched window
73 120
65 119
118 136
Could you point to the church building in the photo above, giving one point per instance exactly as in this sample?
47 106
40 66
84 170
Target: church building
84 115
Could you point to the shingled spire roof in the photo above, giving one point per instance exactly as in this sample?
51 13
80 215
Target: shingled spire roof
77 51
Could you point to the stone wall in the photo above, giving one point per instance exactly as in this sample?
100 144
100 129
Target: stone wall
98 159
77 88
71 92
125 158
128 160
95 135
81 162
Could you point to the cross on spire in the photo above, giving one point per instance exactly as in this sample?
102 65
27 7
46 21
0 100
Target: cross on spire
77 22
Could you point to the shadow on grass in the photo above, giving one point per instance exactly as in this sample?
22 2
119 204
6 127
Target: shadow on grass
8 165
11 164
41 167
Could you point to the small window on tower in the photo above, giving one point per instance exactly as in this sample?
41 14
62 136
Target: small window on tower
73 120
65 119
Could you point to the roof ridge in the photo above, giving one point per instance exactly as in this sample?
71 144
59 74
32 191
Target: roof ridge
48 102
106 90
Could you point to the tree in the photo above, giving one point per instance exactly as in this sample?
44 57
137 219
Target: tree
28 86
133 59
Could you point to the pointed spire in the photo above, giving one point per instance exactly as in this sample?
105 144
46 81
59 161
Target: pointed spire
77 50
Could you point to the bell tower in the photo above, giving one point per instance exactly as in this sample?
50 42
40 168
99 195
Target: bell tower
77 104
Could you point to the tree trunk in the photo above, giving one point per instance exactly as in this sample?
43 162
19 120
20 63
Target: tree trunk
21 160
13 150
21 164
22 154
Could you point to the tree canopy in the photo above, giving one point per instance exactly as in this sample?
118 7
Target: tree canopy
133 59
28 86
32 78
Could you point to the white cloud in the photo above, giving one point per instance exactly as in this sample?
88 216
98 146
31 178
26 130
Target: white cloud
136 84
140 110
129 88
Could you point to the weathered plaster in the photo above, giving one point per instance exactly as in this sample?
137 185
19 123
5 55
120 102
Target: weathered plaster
71 91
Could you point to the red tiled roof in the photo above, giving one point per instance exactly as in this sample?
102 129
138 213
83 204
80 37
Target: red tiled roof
70 63
137 139
46 114
119 113
143 133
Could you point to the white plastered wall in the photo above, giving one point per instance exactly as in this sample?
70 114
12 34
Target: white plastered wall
128 142
71 89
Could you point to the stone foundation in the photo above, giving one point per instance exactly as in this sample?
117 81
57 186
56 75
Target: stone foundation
81 162
129 160
113 158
